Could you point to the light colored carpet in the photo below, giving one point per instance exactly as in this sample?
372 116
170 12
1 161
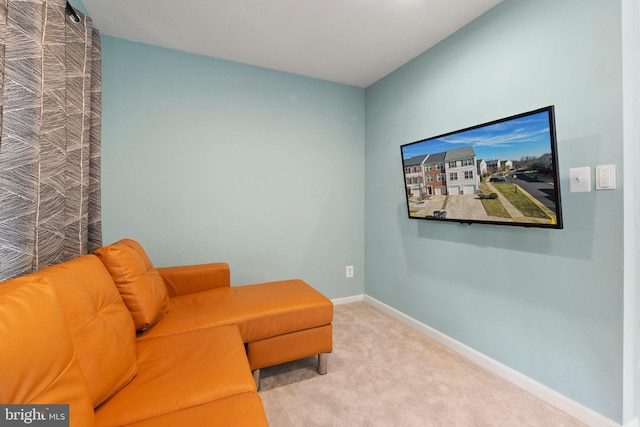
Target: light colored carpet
383 373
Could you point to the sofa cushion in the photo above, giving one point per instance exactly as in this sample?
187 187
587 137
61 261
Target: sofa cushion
100 324
140 285
261 311
39 365
178 372
239 410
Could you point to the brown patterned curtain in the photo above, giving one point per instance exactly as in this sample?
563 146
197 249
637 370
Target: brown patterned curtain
50 114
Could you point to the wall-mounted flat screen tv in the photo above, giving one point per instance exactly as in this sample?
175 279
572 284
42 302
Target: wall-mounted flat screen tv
501 172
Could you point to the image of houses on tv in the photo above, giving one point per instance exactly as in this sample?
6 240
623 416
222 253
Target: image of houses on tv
491 166
448 173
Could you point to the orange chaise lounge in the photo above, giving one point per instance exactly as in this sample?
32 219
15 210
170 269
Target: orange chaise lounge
124 343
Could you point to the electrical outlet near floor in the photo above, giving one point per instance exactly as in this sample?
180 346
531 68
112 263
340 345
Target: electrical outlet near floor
349 271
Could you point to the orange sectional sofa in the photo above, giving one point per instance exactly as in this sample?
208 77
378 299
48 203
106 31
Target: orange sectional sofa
124 343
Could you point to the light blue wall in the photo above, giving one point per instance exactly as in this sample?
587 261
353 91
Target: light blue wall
207 160
77 4
631 107
547 303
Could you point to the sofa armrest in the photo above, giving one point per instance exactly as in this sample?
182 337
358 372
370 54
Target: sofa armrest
188 279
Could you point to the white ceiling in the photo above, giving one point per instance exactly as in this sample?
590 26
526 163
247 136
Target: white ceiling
354 42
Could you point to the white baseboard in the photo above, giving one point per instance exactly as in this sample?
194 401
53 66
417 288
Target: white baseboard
633 423
550 396
347 300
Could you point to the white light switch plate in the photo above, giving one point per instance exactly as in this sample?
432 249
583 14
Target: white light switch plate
606 177
580 180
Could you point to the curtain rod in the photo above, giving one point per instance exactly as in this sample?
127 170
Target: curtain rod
72 13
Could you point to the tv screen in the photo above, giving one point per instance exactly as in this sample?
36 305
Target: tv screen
500 172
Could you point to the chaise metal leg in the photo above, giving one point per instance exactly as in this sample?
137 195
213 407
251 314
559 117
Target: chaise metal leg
322 369
256 378
322 363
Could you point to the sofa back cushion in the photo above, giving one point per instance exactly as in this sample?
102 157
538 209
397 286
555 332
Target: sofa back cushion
141 286
37 358
101 327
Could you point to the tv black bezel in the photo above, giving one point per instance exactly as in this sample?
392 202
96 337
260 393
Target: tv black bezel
554 163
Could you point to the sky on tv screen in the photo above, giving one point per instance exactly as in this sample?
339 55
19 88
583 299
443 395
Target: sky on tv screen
513 139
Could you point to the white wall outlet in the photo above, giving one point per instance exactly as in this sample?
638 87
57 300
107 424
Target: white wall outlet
606 177
349 271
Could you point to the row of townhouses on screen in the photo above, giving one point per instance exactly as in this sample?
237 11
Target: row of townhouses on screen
451 172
